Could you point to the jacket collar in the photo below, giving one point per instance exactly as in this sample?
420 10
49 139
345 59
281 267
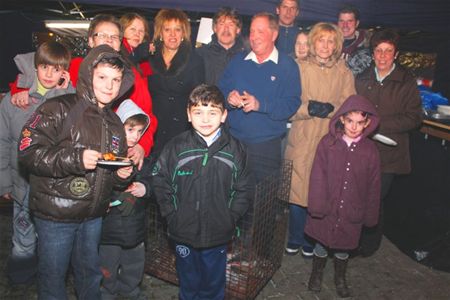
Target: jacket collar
237 47
179 61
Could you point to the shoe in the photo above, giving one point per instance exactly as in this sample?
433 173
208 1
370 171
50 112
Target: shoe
340 269
307 251
292 250
315 279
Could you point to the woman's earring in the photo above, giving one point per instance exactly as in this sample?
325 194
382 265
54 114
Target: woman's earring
161 39
182 39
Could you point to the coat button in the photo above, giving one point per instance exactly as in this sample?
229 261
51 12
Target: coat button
171 98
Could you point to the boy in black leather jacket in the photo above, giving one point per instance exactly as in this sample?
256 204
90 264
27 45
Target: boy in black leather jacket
202 186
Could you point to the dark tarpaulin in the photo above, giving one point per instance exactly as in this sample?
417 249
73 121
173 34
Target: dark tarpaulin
431 15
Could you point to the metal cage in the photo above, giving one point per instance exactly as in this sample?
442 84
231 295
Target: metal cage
254 256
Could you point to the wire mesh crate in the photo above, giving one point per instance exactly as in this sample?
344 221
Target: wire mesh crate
254 256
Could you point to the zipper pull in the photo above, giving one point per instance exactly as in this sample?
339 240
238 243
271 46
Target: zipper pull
205 159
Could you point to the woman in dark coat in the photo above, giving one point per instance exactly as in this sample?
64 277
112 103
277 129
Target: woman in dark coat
177 70
394 93
344 189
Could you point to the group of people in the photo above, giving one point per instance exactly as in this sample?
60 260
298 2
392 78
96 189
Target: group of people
196 129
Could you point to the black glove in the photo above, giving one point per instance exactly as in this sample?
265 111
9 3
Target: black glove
319 109
128 203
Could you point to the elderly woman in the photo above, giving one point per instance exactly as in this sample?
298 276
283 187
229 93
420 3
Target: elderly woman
177 70
326 83
395 95
135 32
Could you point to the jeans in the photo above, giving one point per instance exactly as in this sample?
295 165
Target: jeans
297 221
264 159
201 272
61 244
321 251
24 236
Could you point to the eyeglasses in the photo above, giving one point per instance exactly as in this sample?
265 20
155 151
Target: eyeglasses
105 36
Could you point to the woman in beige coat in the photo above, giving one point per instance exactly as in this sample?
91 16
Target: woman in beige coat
326 83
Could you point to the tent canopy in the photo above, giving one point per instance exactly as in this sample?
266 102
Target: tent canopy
431 15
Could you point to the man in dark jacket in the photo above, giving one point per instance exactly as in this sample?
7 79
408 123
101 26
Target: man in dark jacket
201 184
226 42
61 146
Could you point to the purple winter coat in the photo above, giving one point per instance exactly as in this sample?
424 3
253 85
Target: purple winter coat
344 189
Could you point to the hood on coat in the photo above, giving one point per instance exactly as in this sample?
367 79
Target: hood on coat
85 88
352 103
128 109
25 64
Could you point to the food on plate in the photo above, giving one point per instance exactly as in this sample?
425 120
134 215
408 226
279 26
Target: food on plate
109 156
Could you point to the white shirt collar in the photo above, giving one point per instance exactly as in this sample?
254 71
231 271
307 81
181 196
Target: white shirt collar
273 56
379 77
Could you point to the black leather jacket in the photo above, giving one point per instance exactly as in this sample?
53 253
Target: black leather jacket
52 143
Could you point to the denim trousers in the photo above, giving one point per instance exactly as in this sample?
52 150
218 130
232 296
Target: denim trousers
24 238
61 244
297 221
264 159
201 272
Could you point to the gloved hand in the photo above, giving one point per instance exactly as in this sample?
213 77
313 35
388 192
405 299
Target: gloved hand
319 109
128 203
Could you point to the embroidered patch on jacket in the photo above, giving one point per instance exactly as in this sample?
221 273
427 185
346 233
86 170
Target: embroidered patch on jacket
35 121
26 133
25 143
182 251
79 186
115 144
184 173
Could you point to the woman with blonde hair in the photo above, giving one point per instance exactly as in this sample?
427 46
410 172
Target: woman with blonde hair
177 70
326 83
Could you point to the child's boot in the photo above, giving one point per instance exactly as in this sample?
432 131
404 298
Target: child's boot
315 280
340 268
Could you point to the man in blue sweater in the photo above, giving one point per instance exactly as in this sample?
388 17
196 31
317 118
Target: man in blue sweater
263 90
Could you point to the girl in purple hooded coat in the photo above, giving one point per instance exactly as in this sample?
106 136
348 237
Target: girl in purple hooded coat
344 192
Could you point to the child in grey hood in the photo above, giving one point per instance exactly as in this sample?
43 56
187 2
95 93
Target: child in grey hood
122 251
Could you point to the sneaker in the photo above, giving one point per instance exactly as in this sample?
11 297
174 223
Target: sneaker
292 250
307 251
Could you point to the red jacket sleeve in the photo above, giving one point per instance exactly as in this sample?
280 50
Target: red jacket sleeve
74 67
142 98
14 88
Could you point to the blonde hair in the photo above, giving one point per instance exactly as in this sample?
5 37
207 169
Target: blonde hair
318 30
165 15
128 18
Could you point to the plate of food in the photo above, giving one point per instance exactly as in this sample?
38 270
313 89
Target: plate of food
110 159
384 139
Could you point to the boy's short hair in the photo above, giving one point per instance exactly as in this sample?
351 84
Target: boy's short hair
114 62
205 94
136 120
228 12
53 54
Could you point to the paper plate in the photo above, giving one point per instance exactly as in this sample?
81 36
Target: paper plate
384 139
114 163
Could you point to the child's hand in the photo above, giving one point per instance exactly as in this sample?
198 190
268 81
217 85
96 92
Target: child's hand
66 76
21 99
137 189
125 172
136 153
90 159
